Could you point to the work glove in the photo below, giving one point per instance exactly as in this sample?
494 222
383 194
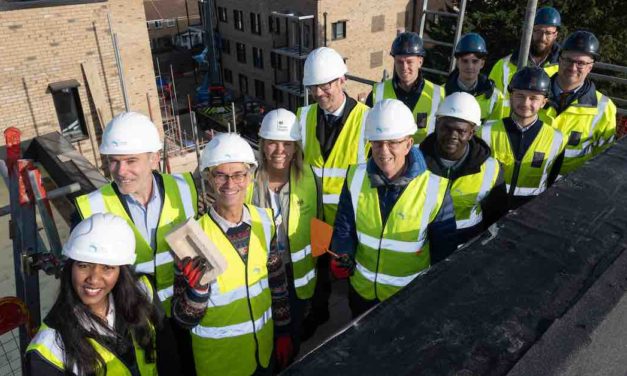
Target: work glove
342 267
192 270
283 350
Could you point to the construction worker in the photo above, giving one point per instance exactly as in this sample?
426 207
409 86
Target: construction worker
103 321
294 193
543 51
239 319
530 151
332 139
475 179
151 203
470 56
408 85
586 117
395 218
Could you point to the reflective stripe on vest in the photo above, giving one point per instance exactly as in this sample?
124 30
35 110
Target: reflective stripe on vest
389 257
586 146
468 191
303 207
350 148
180 201
506 60
235 335
427 103
532 180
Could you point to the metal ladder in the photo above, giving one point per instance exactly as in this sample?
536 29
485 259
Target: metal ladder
458 33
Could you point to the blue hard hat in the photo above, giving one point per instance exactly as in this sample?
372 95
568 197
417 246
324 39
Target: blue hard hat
582 41
548 16
471 43
532 79
408 44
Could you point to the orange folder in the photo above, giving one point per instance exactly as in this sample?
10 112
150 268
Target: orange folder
321 233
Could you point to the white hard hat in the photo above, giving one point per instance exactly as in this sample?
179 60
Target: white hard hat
102 239
323 65
389 119
280 125
130 133
226 148
461 105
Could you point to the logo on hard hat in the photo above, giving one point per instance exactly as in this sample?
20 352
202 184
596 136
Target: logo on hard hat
93 248
379 130
281 126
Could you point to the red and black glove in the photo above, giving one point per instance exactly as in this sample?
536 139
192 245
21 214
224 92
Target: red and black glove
192 269
342 267
283 350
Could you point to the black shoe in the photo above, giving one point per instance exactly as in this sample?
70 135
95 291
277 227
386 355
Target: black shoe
311 323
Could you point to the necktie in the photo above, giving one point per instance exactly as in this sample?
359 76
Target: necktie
564 99
331 119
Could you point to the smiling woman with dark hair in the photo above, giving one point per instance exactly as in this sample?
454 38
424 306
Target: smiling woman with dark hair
103 321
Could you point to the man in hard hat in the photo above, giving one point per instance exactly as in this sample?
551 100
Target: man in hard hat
470 56
152 203
475 178
395 217
244 316
332 139
408 85
530 151
585 116
543 51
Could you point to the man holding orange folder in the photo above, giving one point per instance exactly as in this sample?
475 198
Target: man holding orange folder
394 218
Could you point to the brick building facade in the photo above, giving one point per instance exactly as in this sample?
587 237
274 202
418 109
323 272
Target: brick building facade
45 46
264 43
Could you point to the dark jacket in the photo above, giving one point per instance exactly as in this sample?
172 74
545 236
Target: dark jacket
586 96
326 133
493 206
439 232
485 86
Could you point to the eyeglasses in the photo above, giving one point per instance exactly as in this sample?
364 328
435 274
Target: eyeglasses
324 87
392 145
578 63
544 33
237 177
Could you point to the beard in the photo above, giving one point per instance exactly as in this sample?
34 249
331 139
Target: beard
536 50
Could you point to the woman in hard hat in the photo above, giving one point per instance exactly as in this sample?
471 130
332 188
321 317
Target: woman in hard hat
293 192
247 313
104 321
395 217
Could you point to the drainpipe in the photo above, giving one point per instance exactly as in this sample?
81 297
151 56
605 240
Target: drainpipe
324 15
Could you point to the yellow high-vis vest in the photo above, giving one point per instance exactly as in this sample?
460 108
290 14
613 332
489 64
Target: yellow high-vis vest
180 202
531 174
351 147
468 191
588 129
236 333
424 110
391 254
303 207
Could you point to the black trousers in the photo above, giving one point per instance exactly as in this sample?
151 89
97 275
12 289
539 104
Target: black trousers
357 303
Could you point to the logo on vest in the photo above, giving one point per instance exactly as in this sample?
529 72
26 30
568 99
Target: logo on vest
256 270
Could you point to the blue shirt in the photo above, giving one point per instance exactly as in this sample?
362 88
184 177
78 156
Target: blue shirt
146 218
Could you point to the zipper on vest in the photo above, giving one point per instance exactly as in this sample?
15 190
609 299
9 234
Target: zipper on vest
250 310
517 163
